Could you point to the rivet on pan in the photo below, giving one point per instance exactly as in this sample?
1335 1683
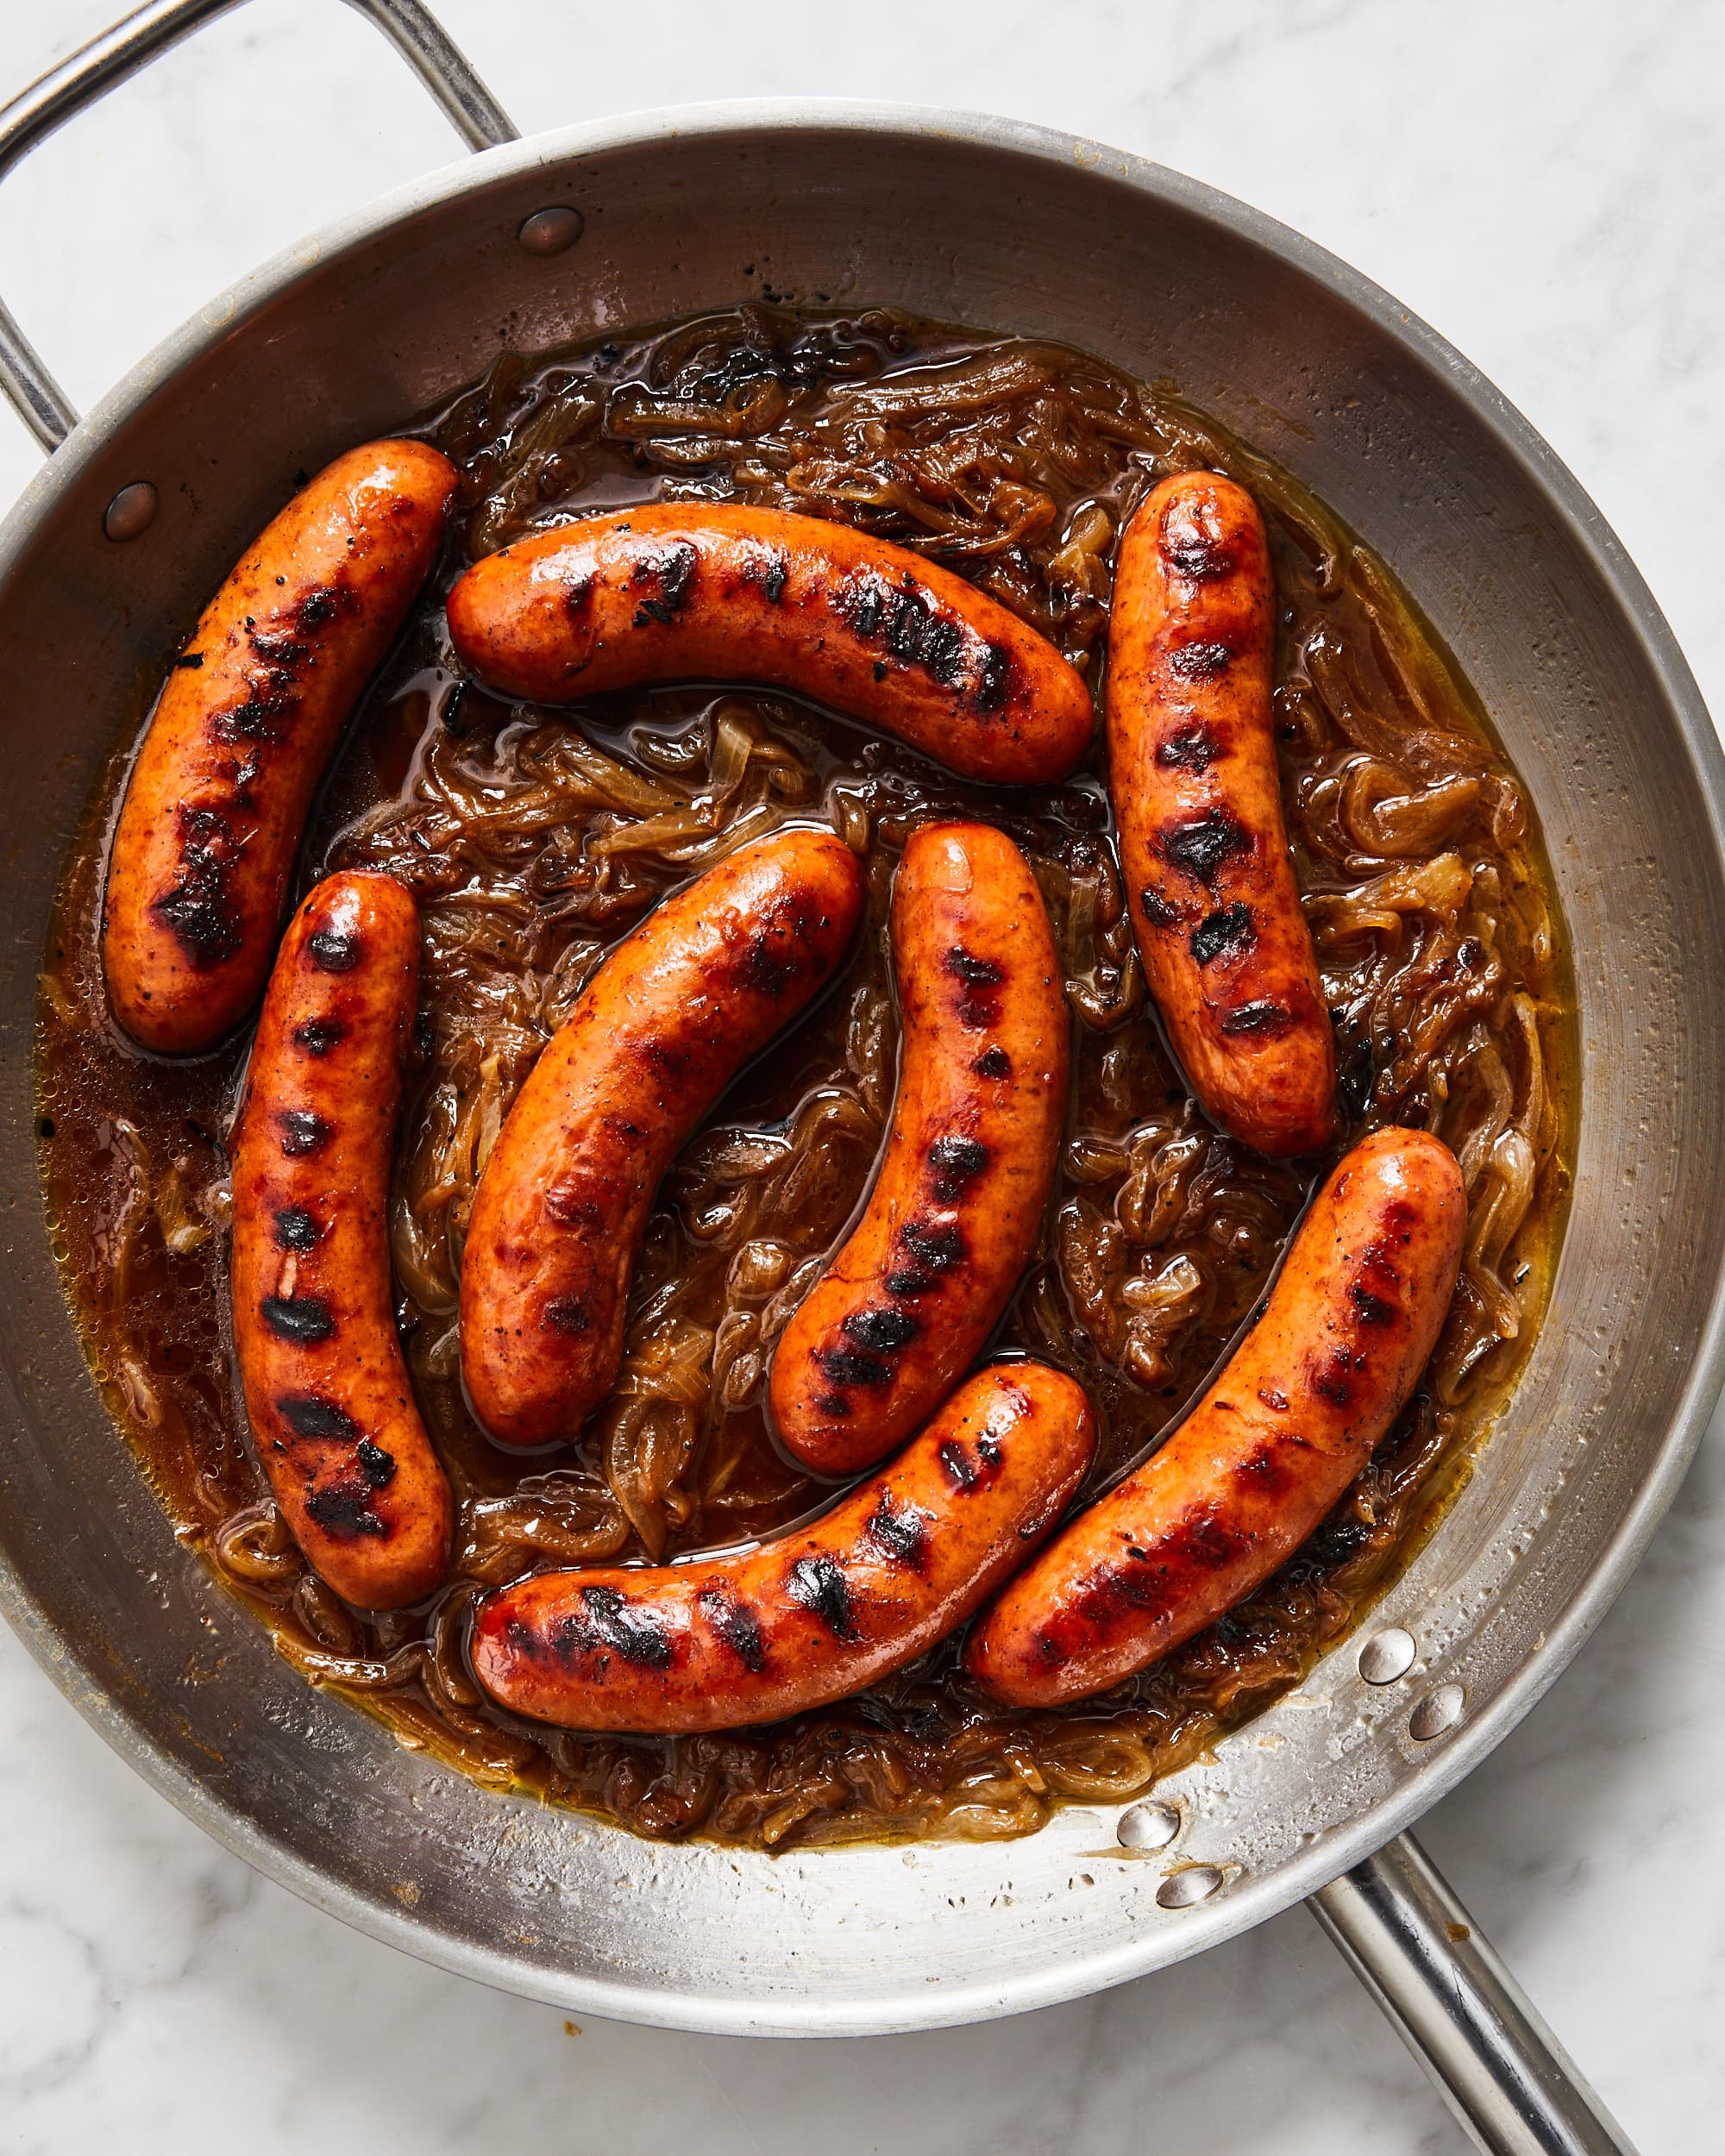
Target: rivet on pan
550 231
1148 1826
1436 1713
1388 1656
1185 1889
131 512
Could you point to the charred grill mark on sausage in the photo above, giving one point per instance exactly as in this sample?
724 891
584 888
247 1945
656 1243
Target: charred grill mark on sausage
927 1249
1200 561
578 594
1265 1472
296 1229
606 1624
344 1509
200 909
335 950
1230 928
979 1008
1190 547
1373 1309
819 1585
323 603
1264 1018
961 1468
570 1203
318 1036
674 572
900 1531
1157 911
765 966
994 678
1200 661
302 1131
964 965
884 1331
938 1247
1200 846
1194 749
914 629
852 1366
736 1625
304 1319
1331 1376
670 1059
286 650
375 1464
1151 1582
771 958
956 1162
310 1415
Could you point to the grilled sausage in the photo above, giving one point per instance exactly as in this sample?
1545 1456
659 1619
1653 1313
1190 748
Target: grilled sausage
706 981
818 1613
327 1391
906 1304
242 733
693 591
1192 762
1268 1451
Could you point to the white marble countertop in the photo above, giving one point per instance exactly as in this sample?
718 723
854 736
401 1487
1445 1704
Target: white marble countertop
1542 184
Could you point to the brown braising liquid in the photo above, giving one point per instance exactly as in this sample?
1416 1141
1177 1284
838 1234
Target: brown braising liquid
534 840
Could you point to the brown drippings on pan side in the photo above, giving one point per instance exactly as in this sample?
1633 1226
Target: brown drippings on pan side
534 840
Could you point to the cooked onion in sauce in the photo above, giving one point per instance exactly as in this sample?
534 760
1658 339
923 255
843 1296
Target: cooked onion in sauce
534 840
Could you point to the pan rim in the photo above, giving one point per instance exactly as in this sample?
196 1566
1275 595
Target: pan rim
911 2006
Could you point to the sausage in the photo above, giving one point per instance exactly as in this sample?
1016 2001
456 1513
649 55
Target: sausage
682 591
706 981
908 1302
818 1613
326 1389
1192 765
1268 1451
241 734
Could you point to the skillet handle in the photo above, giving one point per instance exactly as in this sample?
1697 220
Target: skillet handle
95 68
1460 2012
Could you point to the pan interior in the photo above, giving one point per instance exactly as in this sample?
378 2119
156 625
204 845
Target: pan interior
1046 238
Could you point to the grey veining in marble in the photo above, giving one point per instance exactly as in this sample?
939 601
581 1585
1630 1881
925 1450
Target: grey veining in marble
1544 185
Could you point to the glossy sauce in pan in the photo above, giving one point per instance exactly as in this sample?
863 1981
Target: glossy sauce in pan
534 840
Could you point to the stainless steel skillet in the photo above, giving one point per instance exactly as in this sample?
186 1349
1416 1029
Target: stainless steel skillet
142 507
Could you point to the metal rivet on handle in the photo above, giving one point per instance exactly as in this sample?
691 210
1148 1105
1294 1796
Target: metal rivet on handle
1436 1713
550 231
131 512
1388 1656
1185 1889
1148 1826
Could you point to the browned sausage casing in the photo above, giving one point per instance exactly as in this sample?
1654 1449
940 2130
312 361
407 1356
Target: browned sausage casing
818 1614
682 591
240 736
907 1303
704 982
1269 1450
1192 769
326 1388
